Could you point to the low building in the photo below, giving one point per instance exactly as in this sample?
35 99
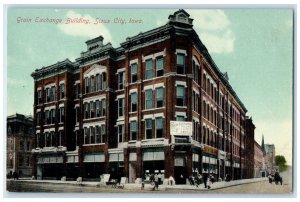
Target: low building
20 141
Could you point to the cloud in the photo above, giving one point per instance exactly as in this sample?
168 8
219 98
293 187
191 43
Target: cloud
213 27
84 30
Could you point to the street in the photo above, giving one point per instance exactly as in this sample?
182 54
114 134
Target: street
263 187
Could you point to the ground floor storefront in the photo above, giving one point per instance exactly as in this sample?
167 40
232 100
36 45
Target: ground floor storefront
136 164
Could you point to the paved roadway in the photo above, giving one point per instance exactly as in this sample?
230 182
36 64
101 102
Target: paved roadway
263 187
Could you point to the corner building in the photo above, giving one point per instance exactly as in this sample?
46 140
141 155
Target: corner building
110 110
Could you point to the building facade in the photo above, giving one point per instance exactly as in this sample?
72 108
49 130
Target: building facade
20 141
270 157
250 148
110 111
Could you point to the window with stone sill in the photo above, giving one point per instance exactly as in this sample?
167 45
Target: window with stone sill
92 135
159 66
62 91
180 96
148 128
40 96
133 130
149 69
121 80
103 134
180 63
159 127
62 114
121 107
148 99
98 134
133 99
121 133
159 97
134 73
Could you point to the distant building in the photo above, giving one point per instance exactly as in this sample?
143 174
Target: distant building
20 141
270 156
258 160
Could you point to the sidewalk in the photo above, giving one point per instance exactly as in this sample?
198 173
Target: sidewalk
132 186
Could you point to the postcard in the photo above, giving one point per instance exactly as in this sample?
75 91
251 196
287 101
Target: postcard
138 100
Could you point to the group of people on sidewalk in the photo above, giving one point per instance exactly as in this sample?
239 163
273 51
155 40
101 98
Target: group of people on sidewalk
206 179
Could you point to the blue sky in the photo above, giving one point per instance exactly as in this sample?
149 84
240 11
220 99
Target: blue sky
255 47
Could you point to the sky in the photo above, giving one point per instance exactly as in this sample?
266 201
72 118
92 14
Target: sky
254 46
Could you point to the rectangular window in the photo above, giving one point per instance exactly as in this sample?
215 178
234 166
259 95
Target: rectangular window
86 85
92 109
148 99
92 84
134 75
77 90
86 110
61 139
38 118
159 127
86 136
159 97
103 81
48 94
103 107
180 95
180 63
103 134
121 107
62 114
98 132
159 66
121 133
148 126
98 108
180 118
121 80
98 82
133 97
77 114
53 116
53 93
92 135
40 97
62 91
149 69
133 130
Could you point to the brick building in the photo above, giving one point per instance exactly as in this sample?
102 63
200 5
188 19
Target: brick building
110 110
249 147
259 161
20 141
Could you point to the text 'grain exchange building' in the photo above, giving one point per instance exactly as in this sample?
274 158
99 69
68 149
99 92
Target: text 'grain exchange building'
110 111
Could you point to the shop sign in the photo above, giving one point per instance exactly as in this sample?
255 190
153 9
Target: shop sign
181 128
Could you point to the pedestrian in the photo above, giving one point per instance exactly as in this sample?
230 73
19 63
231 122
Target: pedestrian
156 182
205 177
270 179
199 179
15 175
159 178
209 182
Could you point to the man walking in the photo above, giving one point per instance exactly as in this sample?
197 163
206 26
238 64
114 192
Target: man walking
205 177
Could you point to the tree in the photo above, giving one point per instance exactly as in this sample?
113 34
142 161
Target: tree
281 162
